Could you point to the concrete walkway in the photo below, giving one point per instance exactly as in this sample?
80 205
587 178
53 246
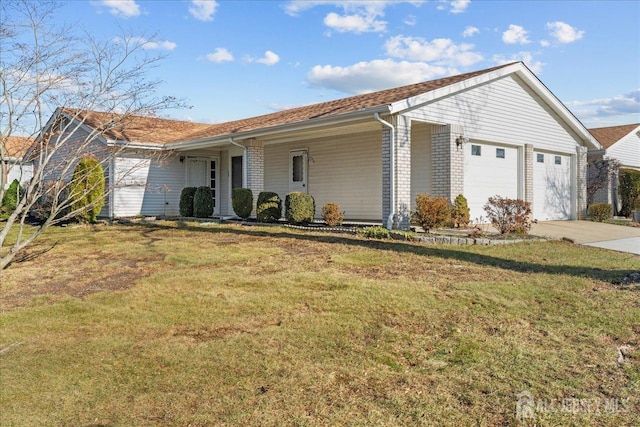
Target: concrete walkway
609 236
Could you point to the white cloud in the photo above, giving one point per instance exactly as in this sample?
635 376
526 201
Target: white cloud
359 16
544 43
526 57
411 20
124 8
564 33
151 45
365 77
203 10
269 58
620 105
515 34
459 6
470 31
220 55
439 51
354 23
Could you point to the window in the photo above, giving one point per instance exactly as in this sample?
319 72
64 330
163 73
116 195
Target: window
236 172
558 160
212 181
500 153
540 158
476 150
298 168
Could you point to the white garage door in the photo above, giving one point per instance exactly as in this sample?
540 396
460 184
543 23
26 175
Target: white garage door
129 186
551 186
489 170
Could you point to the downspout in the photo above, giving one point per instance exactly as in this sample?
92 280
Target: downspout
244 161
392 160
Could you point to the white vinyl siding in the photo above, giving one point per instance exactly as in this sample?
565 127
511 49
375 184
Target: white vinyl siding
552 187
627 151
20 171
503 111
421 169
147 185
344 170
487 175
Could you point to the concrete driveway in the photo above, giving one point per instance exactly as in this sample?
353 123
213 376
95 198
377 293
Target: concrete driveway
616 237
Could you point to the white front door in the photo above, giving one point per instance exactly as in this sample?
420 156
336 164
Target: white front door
298 165
204 172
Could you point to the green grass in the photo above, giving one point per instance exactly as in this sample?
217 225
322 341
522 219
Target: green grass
229 325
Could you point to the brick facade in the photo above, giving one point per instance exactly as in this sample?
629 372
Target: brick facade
528 173
255 169
581 184
447 161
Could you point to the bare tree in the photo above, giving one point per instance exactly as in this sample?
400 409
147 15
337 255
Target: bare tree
602 176
51 83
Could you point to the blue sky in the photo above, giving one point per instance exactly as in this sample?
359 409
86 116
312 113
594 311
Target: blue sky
236 59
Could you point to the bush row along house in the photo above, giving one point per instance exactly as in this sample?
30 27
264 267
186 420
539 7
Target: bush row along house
497 131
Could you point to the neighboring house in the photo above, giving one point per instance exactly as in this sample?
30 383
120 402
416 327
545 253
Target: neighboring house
14 165
494 131
621 143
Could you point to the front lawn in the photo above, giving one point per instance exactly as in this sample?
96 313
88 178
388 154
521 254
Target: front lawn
174 324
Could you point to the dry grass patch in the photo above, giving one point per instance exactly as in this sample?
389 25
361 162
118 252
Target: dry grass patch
230 325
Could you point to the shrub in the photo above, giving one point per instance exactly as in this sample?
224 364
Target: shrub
186 201
242 202
431 212
299 208
376 232
600 211
269 208
331 214
629 189
460 212
86 190
10 199
509 215
203 202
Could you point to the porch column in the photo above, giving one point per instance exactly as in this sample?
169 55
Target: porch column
447 162
581 182
528 173
401 172
255 169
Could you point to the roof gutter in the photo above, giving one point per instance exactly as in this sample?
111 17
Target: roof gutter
392 160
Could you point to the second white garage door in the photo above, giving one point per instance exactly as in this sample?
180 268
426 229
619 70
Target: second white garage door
489 170
551 187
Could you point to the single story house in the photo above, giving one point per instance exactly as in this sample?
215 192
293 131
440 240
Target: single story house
621 143
14 164
497 131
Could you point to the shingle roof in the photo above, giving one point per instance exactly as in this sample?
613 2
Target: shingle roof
161 131
607 136
17 146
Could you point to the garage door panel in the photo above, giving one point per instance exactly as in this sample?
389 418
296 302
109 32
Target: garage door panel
552 187
493 170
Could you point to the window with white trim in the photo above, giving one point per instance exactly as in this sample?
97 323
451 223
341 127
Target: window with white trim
476 150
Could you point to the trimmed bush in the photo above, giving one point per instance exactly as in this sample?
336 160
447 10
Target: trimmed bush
331 214
186 201
299 208
86 190
509 215
431 212
600 211
460 212
269 207
242 202
203 202
376 232
629 189
10 200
